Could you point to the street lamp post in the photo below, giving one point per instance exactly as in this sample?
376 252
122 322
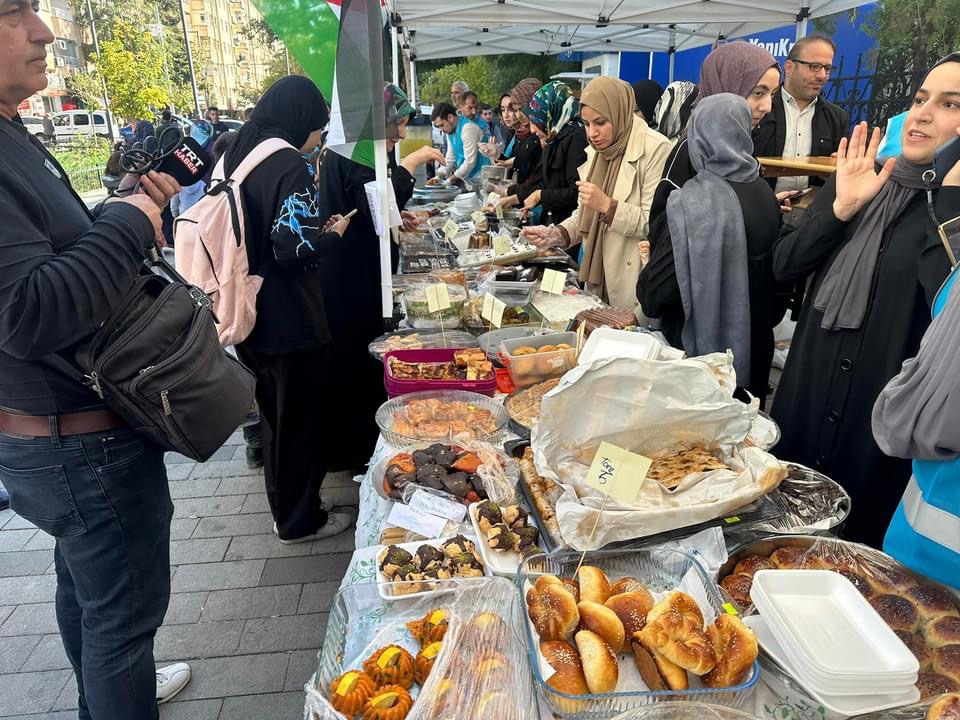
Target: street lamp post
186 42
103 80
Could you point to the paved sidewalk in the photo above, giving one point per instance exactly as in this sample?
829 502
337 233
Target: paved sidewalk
247 612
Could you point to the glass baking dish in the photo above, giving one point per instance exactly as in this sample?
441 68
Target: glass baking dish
660 570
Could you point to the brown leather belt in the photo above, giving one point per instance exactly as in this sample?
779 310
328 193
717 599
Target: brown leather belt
71 424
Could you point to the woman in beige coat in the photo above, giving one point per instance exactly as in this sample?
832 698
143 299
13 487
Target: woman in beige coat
624 164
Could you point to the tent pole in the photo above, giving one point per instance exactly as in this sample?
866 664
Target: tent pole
650 67
413 82
395 49
802 20
386 277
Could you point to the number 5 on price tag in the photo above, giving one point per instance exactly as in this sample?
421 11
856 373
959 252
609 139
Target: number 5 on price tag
618 472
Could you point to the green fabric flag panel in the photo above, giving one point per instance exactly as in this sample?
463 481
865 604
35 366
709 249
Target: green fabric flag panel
339 43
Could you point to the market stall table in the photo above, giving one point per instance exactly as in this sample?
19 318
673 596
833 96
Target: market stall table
797 166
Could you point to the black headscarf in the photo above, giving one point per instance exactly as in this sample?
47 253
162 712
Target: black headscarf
648 94
291 109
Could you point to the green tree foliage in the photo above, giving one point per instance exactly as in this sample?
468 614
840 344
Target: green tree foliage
131 62
487 75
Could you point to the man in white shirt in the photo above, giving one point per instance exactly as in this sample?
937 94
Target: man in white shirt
801 122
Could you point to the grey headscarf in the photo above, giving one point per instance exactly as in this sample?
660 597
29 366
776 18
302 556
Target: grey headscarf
918 413
708 234
845 291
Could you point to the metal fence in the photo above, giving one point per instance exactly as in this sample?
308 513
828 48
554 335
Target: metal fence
871 96
86 180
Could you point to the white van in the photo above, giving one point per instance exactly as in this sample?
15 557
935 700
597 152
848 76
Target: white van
73 123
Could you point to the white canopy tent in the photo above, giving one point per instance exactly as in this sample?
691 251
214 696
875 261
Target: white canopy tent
431 29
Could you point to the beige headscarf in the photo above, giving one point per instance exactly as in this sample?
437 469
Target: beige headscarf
614 100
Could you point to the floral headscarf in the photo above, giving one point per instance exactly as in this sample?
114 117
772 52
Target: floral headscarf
552 107
396 106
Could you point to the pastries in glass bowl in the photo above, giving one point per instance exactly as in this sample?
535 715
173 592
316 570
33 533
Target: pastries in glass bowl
390 665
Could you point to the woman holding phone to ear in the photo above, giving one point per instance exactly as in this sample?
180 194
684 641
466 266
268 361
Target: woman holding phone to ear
875 261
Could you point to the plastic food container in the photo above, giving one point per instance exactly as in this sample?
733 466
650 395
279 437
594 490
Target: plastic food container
361 622
425 417
532 368
683 711
606 342
411 339
660 570
831 634
397 386
779 676
418 310
512 292
559 310
388 588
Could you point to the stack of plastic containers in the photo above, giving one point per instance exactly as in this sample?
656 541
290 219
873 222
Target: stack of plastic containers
823 632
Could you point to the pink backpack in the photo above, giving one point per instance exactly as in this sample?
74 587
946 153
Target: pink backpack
211 248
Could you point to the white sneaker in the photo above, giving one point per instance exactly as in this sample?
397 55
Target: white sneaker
171 680
336 524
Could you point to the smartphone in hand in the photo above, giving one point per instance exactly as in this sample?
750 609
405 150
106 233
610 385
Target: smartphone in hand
946 157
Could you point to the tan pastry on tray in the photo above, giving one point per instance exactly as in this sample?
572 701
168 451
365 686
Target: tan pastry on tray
897 611
568 671
946 708
599 662
603 621
632 609
932 684
390 702
859 582
932 602
350 692
736 649
751 563
423 662
788 556
431 627
572 586
889 579
946 661
738 587
669 468
626 585
662 674
553 611
680 603
681 642
916 644
942 631
594 585
390 665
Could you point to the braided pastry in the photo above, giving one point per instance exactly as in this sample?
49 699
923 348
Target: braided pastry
681 641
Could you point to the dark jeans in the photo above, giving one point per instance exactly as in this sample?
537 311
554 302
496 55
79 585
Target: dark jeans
291 391
104 497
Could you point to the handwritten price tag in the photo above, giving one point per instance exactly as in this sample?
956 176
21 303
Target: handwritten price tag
499 211
422 523
478 218
437 297
486 310
425 502
618 472
450 228
502 245
553 282
496 312
492 199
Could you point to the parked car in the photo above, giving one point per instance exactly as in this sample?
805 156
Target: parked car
34 125
73 123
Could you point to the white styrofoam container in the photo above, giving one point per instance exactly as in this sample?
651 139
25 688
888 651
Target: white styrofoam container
820 618
607 342
503 563
385 586
836 706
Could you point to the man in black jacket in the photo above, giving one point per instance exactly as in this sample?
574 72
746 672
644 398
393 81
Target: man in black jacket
802 123
72 467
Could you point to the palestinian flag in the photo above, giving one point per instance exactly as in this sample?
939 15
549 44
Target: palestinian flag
339 43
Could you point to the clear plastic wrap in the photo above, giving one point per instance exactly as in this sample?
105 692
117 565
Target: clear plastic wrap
441 415
479 673
683 711
660 571
911 605
809 503
497 473
412 339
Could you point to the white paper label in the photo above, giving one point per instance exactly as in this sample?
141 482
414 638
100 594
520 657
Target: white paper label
373 200
436 505
422 523
497 309
492 199
553 281
486 310
450 229
438 298
502 244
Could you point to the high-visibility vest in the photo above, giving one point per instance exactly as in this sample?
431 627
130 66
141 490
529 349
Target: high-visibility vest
924 534
457 143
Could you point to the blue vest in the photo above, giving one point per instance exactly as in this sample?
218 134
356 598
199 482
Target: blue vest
508 153
924 534
456 142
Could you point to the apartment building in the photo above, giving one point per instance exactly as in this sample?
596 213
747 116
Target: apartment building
63 59
234 62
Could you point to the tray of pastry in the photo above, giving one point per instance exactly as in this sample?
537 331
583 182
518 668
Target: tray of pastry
413 569
540 494
506 535
458 653
610 631
924 615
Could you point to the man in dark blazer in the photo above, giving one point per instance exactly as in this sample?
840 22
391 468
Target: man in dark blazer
801 122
